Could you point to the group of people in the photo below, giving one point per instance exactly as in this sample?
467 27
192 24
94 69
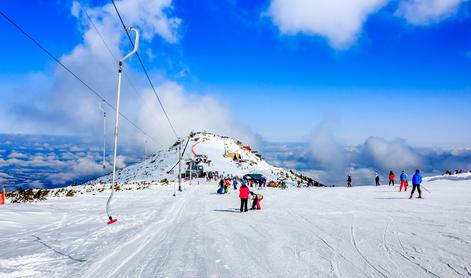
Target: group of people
225 184
456 172
245 194
416 181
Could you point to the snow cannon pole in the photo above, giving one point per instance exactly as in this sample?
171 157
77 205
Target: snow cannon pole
120 73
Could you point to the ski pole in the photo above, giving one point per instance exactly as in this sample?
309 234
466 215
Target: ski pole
426 189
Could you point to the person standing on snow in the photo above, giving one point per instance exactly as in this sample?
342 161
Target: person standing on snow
234 183
244 193
391 178
403 181
349 181
377 179
221 187
416 181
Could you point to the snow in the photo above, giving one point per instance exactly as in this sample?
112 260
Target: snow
363 231
155 168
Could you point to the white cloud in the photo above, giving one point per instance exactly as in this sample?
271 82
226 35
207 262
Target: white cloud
325 148
423 12
15 154
189 112
389 155
82 167
340 21
4 177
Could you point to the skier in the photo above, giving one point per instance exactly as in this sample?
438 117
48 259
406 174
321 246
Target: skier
377 179
403 181
283 184
349 181
221 187
391 178
416 181
234 183
244 193
256 199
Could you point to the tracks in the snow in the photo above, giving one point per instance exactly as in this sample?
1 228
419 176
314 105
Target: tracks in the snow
111 264
411 259
354 243
335 251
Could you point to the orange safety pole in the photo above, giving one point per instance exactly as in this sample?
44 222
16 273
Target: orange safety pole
3 196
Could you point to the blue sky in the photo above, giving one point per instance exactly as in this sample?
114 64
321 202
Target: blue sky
397 78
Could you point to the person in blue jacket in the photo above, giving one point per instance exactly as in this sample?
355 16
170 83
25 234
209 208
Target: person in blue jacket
403 181
416 181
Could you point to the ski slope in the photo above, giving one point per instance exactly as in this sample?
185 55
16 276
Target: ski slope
300 232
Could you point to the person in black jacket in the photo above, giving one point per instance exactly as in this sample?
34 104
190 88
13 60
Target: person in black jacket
349 181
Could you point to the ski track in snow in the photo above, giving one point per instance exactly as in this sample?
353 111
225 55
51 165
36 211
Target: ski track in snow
354 242
300 232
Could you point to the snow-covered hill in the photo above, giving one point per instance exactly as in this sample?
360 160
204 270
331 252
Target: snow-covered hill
217 150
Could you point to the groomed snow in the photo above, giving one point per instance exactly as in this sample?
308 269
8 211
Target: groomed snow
300 232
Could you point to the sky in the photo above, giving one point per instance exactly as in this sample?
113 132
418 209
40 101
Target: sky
385 75
320 72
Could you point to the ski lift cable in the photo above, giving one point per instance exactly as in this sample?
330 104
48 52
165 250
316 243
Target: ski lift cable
145 71
117 60
73 74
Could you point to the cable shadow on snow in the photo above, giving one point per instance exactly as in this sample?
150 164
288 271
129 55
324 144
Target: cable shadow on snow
393 198
234 210
38 239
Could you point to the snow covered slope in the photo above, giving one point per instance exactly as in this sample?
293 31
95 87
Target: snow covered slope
300 232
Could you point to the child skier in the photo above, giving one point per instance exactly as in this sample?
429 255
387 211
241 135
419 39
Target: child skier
403 181
391 178
256 199
416 181
244 193
234 183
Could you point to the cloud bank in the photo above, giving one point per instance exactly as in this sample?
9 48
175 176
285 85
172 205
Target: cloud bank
423 12
338 21
341 21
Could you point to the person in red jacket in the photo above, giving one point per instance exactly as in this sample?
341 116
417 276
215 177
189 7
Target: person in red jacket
391 178
244 193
